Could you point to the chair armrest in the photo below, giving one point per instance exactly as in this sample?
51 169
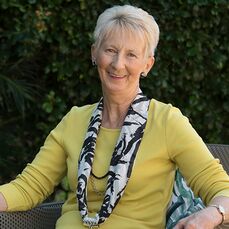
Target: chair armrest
41 217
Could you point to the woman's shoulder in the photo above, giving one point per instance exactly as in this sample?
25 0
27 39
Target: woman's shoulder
159 106
82 109
164 111
79 113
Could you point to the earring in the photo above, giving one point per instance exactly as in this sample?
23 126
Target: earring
93 62
143 75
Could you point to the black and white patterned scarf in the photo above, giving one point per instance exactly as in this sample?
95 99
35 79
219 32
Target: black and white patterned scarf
122 160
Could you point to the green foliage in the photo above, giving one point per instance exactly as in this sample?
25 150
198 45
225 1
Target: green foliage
46 67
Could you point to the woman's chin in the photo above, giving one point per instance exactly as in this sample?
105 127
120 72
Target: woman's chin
115 89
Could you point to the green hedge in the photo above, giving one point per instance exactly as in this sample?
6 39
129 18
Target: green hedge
46 67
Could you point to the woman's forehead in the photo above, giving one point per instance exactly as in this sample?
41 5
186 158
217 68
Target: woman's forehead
121 35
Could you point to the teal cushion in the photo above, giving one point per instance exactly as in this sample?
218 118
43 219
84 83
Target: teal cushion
183 202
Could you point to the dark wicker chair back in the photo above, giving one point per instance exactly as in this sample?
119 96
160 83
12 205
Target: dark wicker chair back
42 217
222 153
45 215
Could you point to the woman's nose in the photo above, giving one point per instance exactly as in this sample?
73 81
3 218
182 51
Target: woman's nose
118 61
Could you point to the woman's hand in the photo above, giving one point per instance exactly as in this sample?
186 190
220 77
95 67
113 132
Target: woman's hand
207 218
3 204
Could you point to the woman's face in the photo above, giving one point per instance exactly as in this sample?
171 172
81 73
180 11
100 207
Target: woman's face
120 60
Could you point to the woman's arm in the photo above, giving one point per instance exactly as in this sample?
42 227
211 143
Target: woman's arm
208 218
224 202
38 179
202 172
3 204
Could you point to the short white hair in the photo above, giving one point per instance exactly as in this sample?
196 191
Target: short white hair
129 18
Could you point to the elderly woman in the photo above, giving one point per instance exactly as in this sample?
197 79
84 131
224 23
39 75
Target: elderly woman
120 154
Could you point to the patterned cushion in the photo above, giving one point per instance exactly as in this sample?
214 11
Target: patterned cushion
183 202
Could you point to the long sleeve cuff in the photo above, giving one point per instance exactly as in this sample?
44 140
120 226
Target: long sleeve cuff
13 200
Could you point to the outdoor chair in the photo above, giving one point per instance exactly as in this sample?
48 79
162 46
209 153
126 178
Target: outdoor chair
45 215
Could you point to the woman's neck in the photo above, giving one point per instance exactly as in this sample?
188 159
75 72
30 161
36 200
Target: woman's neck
115 109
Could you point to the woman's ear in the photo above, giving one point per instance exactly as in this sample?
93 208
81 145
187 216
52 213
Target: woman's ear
93 52
149 64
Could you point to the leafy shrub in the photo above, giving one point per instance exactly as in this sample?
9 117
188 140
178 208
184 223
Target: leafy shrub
45 54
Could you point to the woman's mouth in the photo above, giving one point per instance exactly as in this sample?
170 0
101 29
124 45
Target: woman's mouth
116 76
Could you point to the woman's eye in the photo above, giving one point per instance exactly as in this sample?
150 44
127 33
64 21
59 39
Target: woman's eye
110 50
131 55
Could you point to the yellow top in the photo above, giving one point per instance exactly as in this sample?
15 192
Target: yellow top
168 141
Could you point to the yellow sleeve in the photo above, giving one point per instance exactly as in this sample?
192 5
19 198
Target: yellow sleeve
201 170
38 179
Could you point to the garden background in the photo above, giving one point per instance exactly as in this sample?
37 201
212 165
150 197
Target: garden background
46 67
